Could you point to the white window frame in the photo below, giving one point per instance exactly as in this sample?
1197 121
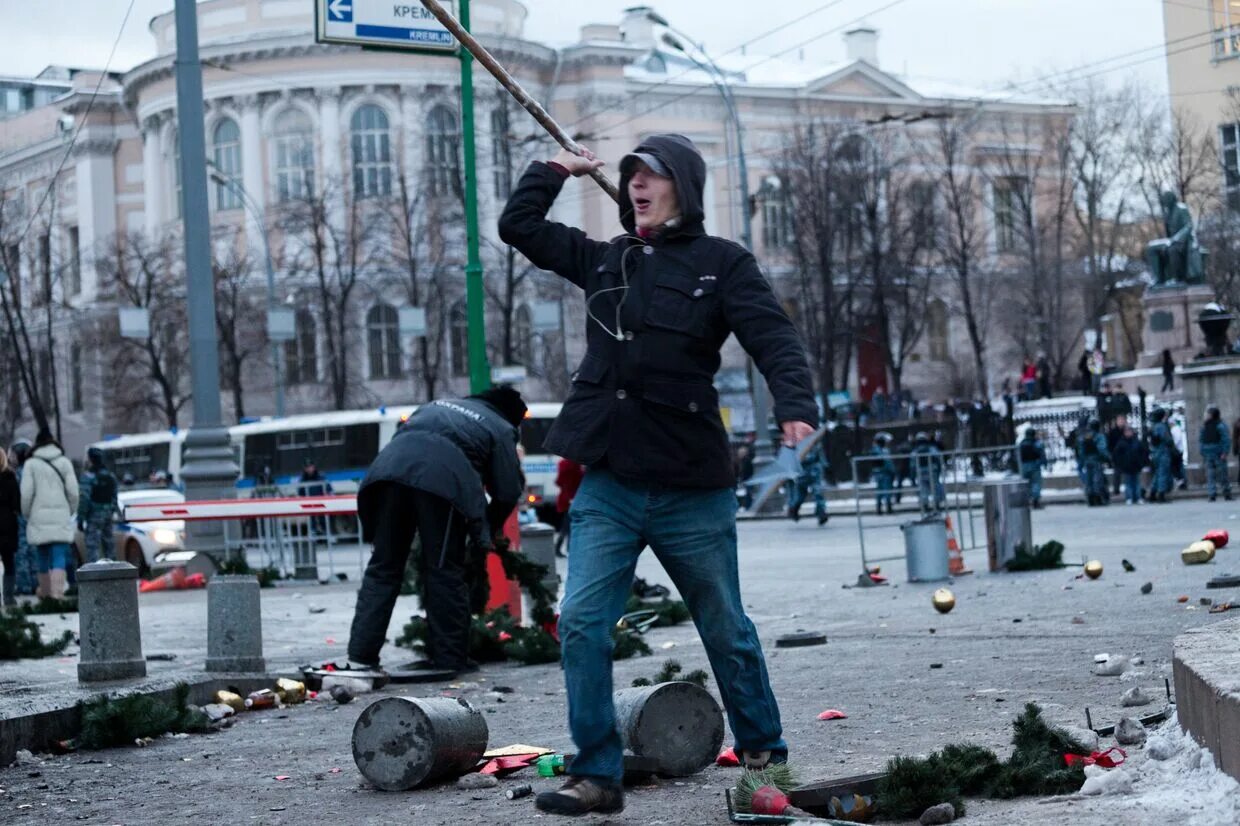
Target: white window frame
370 152
226 155
292 155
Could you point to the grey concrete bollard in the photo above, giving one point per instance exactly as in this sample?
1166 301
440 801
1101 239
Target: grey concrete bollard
679 725
108 622
234 624
403 742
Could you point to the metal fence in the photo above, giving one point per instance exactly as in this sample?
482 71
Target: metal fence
295 546
964 471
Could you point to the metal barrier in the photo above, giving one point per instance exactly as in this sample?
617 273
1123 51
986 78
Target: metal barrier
964 471
285 532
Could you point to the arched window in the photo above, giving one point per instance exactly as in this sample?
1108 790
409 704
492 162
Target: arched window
501 153
383 339
301 360
372 152
522 336
293 155
458 339
443 165
936 330
226 154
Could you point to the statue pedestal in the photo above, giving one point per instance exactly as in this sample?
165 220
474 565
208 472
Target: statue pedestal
1208 381
1171 322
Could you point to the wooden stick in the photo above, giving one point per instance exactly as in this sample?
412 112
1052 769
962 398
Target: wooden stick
522 97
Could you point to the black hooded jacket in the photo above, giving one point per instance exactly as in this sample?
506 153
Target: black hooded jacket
453 449
643 403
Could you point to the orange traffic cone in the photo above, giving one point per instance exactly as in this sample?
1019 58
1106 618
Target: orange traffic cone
170 581
955 560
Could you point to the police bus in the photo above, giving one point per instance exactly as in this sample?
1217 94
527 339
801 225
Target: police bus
271 451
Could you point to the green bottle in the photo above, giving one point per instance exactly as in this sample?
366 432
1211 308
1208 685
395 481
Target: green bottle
550 765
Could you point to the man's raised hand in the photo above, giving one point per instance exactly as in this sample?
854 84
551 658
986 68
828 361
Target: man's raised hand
578 165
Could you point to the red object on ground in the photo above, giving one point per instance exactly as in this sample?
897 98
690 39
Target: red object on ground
194 581
769 800
169 581
727 757
833 714
505 592
509 763
1097 758
568 476
1218 536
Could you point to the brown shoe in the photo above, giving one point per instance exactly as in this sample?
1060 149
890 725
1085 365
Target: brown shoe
581 795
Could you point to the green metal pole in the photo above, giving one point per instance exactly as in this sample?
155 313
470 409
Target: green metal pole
479 370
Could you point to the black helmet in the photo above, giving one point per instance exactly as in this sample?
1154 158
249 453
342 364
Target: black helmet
1159 414
21 450
1031 433
1212 412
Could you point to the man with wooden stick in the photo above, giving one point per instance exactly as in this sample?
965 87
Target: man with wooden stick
643 416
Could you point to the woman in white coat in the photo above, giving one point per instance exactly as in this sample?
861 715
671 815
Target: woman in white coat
49 500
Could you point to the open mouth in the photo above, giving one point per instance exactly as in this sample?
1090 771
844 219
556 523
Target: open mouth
641 204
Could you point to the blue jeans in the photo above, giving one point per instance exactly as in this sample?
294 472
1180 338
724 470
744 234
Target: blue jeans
1132 487
1031 472
53 557
1216 472
693 534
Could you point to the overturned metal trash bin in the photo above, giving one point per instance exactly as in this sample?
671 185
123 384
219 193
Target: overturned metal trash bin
1008 525
925 549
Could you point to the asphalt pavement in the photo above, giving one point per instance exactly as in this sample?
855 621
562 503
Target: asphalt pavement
1011 638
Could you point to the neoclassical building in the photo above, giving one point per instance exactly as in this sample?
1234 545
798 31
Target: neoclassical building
343 165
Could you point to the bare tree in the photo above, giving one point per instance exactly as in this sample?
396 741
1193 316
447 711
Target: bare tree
238 319
149 375
1176 154
962 242
337 249
421 229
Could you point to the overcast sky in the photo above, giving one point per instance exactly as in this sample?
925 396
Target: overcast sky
984 43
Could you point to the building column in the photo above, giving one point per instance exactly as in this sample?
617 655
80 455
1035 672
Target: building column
410 116
252 178
152 176
335 181
95 168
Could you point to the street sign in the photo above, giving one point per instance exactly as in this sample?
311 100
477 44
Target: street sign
512 374
412 321
545 316
402 25
281 324
135 322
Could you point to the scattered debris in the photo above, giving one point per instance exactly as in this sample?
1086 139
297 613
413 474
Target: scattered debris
1128 566
1135 697
228 698
727 758
317 609
1105 759
341 695
24 757
1093 569
1078 620
943 600
1044 557
1113 666
290 692
474 782
936 665
1218 536
800 639
263 698
20 638
1222 608
1147 587
1182 598
1224 581
550 765
518 792
217 711
1205 602
1086 737
938 815
765 791
1198 553
832 714
1129 732
517 750
115 721
1100 781
161 657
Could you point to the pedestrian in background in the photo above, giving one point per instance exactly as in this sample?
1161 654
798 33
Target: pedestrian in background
1168 371
27 565
1215 441
1029 380
10 510
884 473
96 506
809 483
1032 455
1235 444
927 462
1093 456
1161 448
1129 457
1044 376
49 492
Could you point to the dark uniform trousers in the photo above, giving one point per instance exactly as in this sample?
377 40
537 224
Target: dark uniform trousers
402 513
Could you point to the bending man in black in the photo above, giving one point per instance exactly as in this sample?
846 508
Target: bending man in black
429 481
643 416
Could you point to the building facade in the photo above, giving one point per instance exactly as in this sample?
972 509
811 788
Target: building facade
342 168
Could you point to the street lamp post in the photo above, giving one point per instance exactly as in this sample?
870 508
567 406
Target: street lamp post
277 353
760 394
208 469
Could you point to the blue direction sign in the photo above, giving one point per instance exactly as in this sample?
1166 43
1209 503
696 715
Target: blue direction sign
405 25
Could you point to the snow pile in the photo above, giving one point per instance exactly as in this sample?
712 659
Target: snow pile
1173 781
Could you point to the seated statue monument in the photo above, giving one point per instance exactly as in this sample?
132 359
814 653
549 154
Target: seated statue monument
1177 258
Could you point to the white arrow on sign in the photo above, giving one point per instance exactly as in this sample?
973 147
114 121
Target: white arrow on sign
338 8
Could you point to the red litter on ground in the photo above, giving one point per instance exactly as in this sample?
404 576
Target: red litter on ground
1218 536
727 757
283 776
1097 758
833 714
335 771
507 764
